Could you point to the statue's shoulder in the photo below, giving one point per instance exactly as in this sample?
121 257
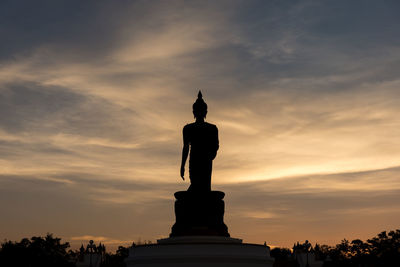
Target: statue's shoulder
210 125
188 126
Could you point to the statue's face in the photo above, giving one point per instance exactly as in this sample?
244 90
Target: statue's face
199 113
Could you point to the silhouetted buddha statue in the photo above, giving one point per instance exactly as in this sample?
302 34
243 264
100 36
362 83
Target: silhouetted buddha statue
199 211
202 138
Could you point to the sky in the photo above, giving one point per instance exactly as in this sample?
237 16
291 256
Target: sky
94 96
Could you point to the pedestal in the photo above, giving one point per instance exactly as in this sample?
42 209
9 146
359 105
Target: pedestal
199 214
196 251
199 237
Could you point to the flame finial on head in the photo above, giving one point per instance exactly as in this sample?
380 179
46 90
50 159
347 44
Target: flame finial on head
200 107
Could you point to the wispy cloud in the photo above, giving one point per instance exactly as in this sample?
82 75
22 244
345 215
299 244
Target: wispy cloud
93 100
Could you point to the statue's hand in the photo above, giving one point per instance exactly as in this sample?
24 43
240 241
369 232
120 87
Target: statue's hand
183 172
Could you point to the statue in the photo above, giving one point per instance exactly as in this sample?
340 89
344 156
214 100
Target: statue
202 138
199 211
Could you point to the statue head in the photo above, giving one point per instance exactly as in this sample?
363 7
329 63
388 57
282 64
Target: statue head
199 107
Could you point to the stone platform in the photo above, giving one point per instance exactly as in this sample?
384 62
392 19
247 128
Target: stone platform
199 214
196 251
199 237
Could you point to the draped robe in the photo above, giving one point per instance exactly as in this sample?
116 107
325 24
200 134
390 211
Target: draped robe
202 137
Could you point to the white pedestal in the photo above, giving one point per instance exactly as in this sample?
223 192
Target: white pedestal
196 251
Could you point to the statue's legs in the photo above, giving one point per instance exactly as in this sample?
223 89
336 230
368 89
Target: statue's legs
200 175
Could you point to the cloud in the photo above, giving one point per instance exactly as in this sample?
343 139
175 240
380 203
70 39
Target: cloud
69 207
322 208
93 100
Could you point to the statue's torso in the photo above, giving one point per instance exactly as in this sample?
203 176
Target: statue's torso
203 140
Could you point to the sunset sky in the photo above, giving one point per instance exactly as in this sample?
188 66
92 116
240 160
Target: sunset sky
94 96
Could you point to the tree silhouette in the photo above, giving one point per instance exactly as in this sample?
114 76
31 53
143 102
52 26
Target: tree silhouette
36 252
117 259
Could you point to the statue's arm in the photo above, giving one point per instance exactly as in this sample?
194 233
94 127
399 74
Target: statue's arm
216 143
185 153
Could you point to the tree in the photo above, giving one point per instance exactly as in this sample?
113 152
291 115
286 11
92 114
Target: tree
38 251
281 253
385 248
117 259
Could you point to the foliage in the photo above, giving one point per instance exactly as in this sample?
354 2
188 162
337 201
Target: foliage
36 252
117 259
382 250
281 253
283 257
